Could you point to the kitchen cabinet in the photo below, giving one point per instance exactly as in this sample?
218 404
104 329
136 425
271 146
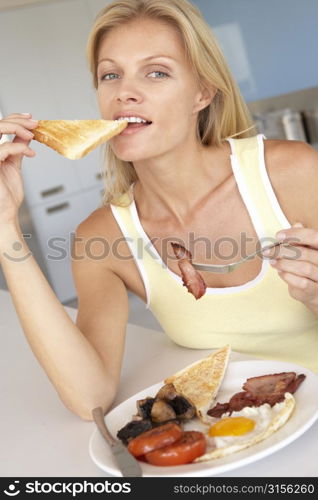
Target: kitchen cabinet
90 169
2 281
56 223
49 177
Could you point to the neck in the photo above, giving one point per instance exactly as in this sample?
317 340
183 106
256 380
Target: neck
176 183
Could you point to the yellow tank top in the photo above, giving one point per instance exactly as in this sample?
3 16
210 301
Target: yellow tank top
259 318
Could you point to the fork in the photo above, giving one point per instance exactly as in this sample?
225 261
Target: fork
228 268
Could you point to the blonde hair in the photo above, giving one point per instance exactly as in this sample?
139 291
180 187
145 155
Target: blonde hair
226 116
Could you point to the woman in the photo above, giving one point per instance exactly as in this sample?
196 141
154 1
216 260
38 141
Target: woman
171 179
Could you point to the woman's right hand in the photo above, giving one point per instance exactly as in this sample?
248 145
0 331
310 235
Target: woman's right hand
11 155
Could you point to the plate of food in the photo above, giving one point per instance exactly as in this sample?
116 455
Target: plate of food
211 417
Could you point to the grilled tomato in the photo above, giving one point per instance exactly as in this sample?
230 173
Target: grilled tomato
192 444
155 438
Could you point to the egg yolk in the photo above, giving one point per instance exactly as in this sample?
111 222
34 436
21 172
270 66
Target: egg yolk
232 426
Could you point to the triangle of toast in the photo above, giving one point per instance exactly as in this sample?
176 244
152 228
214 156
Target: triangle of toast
74 139
200 381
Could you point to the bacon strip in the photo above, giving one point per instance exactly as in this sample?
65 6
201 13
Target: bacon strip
293 386
191 279
269 389
276 383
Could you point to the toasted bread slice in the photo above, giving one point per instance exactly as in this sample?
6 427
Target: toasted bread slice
76 138
200 381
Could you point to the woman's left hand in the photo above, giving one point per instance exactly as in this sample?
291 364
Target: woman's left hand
297 264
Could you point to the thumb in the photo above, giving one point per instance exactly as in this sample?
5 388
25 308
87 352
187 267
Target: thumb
19 140
17 160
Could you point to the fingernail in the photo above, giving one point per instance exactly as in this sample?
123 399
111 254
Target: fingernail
273 262
26 114
266 252
34 121
280 236
298 224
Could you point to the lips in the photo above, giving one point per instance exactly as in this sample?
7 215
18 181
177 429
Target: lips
129 114
133 128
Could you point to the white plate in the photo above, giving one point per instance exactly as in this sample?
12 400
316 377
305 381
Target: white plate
304 415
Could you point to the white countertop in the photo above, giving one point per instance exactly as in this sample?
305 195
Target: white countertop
40 437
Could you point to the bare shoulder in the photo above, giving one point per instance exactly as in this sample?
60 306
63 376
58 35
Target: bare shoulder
290 153
95 236
101 222
293 170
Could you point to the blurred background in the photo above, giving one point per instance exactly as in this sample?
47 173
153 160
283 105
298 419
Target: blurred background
270 46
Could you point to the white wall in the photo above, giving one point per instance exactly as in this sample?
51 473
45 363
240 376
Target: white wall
44 71
54 34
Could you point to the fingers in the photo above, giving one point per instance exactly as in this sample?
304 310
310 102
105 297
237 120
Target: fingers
300 275
292 253
300 272
300 268
294 258
18 115
25 116
303 289
14 149
18 124
284 252
24 121
305 264
20 127
299 236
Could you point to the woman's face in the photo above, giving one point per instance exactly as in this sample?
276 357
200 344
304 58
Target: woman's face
143 72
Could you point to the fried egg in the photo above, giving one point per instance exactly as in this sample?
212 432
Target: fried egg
245 428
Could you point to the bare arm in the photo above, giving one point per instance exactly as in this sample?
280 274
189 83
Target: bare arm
102 305
293 167
82 361
73 361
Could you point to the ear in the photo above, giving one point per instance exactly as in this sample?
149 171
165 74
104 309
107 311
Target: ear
204 98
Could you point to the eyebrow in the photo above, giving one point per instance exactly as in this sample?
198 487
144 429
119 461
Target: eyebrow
145 59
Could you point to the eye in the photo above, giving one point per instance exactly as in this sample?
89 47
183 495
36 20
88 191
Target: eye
109 76
160 72
115 76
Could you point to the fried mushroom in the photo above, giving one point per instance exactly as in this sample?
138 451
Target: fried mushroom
144 407
161 411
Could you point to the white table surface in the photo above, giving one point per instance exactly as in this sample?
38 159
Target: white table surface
40 437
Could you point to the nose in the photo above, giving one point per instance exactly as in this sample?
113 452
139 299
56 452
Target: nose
127 98
128 92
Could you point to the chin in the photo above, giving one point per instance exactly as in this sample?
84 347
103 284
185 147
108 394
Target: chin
133 156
